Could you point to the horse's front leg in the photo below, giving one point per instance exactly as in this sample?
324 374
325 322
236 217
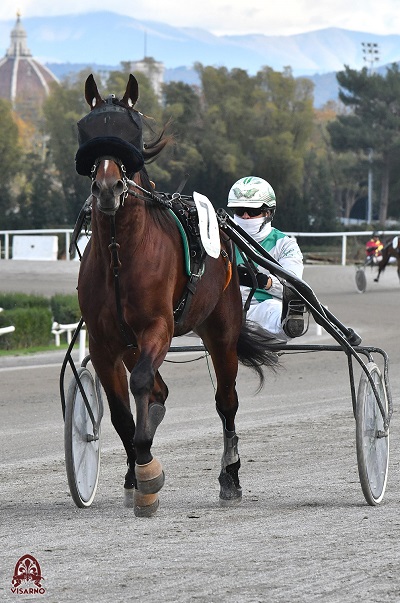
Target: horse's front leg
149 398
115 384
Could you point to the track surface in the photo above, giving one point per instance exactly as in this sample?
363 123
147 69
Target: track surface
303 532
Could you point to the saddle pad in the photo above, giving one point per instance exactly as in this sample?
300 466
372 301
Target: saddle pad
208 225
395 242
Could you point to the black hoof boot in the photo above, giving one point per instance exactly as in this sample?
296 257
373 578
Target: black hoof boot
230 490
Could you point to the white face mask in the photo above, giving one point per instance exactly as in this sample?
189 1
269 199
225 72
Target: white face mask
252 227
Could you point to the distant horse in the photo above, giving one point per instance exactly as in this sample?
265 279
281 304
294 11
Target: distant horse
135 295
390 250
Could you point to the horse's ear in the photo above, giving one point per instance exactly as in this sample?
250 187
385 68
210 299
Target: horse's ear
92 95
132 92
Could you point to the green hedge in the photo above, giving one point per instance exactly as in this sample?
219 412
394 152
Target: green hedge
33 316
32 328
11 301
65 309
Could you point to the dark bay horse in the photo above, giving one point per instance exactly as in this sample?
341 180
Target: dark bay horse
390 250
132 285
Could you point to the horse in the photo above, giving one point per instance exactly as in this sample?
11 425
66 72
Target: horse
390 250
135 295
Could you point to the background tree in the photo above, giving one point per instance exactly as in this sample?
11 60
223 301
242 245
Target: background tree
252 125
374 122
182 111
233 124
64 107
40 200
10 153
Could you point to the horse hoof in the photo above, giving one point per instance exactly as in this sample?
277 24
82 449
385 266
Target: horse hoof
230 502
150 477
129 497
230 492
145 505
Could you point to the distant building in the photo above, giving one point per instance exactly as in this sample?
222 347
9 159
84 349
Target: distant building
152 69
23 80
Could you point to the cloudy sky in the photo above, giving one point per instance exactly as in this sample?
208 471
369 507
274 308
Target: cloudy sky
271 17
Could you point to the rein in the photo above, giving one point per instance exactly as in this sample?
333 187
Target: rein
150 194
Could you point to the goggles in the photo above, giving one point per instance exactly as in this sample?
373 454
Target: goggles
253 212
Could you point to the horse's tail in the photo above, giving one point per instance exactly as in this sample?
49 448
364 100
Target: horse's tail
252 349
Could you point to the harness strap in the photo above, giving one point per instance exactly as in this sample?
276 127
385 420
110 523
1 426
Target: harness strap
194 255
184 241
125 328
82 221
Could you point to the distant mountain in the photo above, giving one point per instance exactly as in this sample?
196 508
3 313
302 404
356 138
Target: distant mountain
66 43
107 38
326 88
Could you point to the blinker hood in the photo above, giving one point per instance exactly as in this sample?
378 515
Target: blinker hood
110 130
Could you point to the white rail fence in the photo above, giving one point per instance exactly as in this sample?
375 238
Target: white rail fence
5 330
33 250
58 329
43 245
28 245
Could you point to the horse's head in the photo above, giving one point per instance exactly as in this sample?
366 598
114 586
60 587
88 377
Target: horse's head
109 184
112 130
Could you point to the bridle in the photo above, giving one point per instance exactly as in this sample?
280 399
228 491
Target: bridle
130 187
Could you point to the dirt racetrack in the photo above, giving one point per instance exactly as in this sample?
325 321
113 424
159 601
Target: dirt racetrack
303 532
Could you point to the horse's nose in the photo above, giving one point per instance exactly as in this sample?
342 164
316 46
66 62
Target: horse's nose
108 197
96 189
118 188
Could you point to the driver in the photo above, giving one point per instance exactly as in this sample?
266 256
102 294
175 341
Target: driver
273 305
373 248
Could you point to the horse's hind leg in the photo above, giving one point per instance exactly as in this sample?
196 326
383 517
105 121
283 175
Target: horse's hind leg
226 367
230 489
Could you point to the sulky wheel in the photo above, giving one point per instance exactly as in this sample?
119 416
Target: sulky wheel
361 280
372 444
81 444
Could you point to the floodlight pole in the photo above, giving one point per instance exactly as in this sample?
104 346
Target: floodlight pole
369 208
371 55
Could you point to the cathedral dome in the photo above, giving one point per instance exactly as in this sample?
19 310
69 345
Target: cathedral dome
23 80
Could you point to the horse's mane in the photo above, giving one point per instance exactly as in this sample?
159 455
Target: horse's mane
152 148
159 213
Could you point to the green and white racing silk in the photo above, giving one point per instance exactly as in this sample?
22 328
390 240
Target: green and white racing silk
280 246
